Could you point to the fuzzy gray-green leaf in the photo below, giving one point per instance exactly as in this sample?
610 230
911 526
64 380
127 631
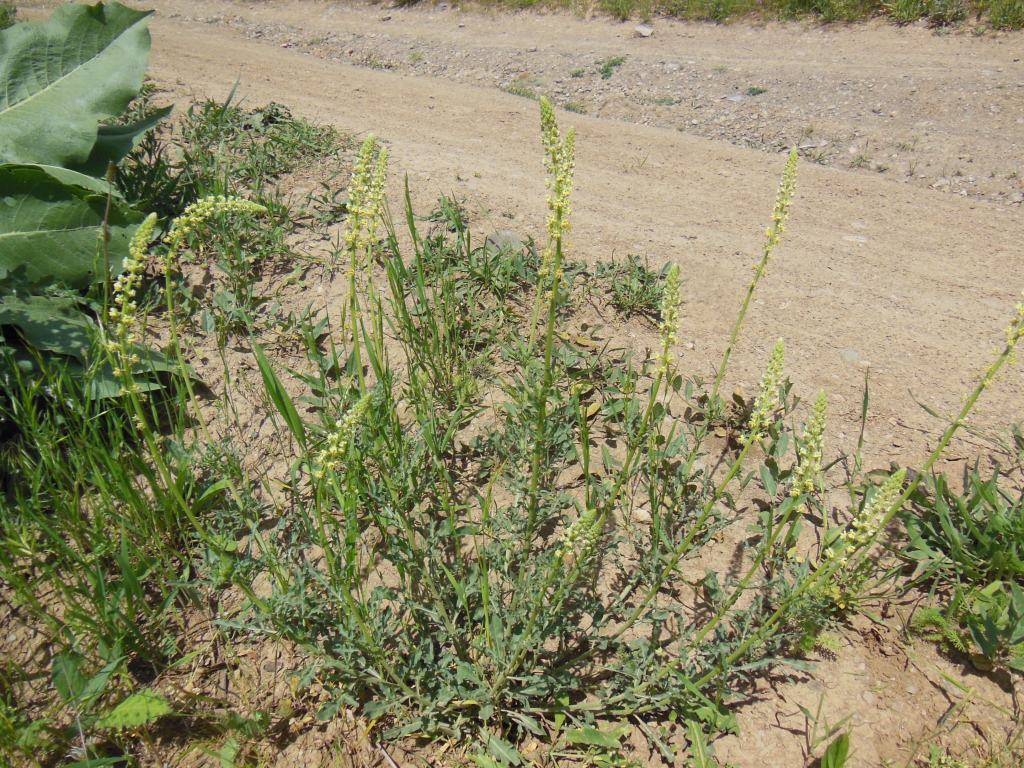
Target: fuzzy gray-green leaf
59 79
50 221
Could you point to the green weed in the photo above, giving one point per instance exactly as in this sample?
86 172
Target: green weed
1006 14
634 289
968 549
8 15
607 67
479 521
624 9
522 89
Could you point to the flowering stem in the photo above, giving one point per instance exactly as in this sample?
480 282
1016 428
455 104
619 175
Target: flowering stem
772 237
1014 335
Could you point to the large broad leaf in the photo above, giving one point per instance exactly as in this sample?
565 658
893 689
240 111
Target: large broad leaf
50 221
114 142
61 78
49 323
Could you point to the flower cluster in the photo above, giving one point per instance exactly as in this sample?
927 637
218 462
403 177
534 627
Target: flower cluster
669 317
767 401
332 456
123 309
867 524
783 200
808 469
365 199
560 164
579 538
847 572
199 213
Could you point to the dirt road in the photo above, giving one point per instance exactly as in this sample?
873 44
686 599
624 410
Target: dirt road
879 274
913 285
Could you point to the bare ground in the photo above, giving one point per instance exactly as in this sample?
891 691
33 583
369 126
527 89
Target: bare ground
894 276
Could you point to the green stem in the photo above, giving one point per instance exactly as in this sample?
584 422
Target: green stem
542 395
823 573
684 546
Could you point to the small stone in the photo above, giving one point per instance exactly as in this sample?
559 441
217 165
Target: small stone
386 17
644 30
504 241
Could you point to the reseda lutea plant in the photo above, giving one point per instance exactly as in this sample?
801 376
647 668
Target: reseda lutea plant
472 586
483 557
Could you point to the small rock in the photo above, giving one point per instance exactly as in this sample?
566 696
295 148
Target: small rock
644 30
386 17
504 241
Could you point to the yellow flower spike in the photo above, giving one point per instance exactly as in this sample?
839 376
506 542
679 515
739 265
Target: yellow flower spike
808 470
333 453
772 237
559 162
126 286
579 538
373 209
549 135
868 523
1015 330
767 401
137 248
202 211
783 201
357 192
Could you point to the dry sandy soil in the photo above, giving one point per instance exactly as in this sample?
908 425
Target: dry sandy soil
907 275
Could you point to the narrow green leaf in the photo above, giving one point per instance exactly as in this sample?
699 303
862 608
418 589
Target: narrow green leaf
502 751
591 737
837 752
66 673
280 397
700 755
229 752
